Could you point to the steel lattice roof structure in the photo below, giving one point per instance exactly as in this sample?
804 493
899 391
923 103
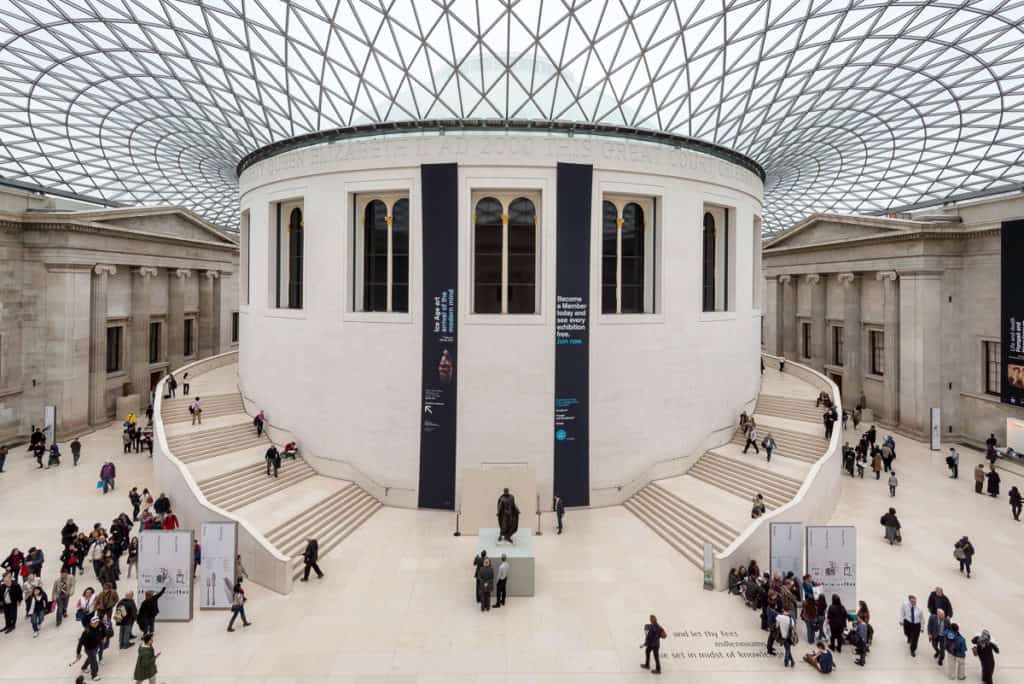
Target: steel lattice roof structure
858 106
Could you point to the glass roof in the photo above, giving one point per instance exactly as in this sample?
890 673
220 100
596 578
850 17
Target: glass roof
850 106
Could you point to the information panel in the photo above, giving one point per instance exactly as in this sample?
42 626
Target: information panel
440 325
572 349
832 561
219 542
165 562
786 548
1013 313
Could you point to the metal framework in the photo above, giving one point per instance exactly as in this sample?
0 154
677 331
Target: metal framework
857 106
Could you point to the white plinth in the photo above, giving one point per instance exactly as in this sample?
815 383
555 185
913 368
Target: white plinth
520 558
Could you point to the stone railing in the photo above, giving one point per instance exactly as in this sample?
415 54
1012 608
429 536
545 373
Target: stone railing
814 503
263 562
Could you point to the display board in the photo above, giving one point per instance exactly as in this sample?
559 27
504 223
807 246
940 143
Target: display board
439 405
50 423
219 543
1015 434
165 562
1012 313
935 434
832 561
786 548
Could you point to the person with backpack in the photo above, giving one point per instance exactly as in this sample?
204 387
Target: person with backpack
238 606
653 634
196 409
956 649
963 551
124 618
892 527
787 634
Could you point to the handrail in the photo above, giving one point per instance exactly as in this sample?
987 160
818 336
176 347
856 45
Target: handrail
266 565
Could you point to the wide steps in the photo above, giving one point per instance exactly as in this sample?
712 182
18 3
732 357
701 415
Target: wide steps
256 486
788 443
789 407
207 443
214 406
737 481
784 485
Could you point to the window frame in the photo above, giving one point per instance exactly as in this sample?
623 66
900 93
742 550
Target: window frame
505 196
280 255
120 365
876 351
189 332
360 200
245 260
156 344
649 204
837 344
725 254
987 361
806 334
236 324
757 275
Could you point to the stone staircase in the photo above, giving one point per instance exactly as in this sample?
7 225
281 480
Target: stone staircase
242 486
202 443
744 479
788 443
329 521
684 526
214 406
789 407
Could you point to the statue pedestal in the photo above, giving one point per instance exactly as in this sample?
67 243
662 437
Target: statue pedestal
520 558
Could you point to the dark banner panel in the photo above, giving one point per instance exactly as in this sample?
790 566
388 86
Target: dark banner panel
572 348
1012 320
440 325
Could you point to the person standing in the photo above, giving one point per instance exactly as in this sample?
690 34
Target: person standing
3 457
259 421
310 557
859 635
751 441
63 590
559 511
993 481
90 641
76 451
238 606
786 633
876 463
184 384
37 606
10 599
829 422
485 582
938 624
985 649
124 618
809 614
892 527
501 583
910 618
953 461
145 664
963 551
653 634
133 556
273 459
957 647
136 500
892 483
148 610
979 478
837 618
196 409
172 386
1016 501
991 442
769 446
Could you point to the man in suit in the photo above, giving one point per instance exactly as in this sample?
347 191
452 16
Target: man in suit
10 599
310 557
910 618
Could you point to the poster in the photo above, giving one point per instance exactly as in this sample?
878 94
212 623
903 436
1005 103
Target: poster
832 561
50 423
216 587
572 353
1015 434
786 548
440 334
165 562
936 429
1012 313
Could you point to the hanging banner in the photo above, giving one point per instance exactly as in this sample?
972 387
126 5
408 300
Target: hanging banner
165 563
218 542
438 407
1012 320
832 561
572 349
786 548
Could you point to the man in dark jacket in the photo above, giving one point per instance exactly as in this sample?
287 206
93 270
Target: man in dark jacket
162 505
10 599
148 611
310 557
91 639
273 458
68 532
76 450
937 600
124 618
653 634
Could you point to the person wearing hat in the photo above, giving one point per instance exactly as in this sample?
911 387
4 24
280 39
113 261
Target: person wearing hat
985 649
90 641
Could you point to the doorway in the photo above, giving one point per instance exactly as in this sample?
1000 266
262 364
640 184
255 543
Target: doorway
838 379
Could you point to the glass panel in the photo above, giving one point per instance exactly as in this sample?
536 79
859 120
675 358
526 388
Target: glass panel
375 257
487 298
708 266
399 297
400 255
295 252
609 254
632 258
487 257
521 299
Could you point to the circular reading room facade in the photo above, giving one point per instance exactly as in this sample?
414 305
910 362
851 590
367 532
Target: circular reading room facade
417 302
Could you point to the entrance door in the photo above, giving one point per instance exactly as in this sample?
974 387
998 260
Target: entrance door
154 378
838 379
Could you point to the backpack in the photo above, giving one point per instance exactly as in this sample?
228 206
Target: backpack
119 614
950 637
825 662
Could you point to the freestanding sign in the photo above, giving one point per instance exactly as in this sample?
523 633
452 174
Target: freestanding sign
438 405
832 561
50 423
165 562
786 548
572 346
936 428
219 543
1012 314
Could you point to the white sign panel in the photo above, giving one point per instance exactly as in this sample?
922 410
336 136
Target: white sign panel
50 423
217 567
165 563
936 432
832 561
1015 434
786 548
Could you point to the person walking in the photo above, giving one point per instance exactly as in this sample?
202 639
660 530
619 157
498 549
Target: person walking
963 551
37 606
185 385
938 600
136 501
979 478
196 409
1016 501
769 446
837 618
238 606
957 647
892 527
172 386
953 461
133 556
273 458
145 663
61 593
258 422
10 599
559 511
309 558
148 610
653 634
892 483
985 649
829 420
751 441
993 481
90 641
938 624
124 617
76 451
501 582
876 463
910 619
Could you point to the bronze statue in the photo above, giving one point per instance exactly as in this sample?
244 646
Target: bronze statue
508 516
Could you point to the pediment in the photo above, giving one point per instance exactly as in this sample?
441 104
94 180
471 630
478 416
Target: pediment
822 229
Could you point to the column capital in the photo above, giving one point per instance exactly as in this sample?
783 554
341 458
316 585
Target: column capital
812 278
146 272
183 273
785 278
847 278
105 269
212 275
887 275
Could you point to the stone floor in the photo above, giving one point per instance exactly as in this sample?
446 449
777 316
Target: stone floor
395 605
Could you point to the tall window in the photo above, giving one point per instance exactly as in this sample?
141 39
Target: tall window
805 338
505 254
758 277
628 258
288 251
234 326
190 331
295 229
837 345
244 240
717 248
993 367
877 342
382 253
155 330
115 350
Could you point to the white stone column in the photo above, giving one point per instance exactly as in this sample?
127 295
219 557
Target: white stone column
177 280
788 316
773 316
817 287
920 362
853 369
67 322
138 343
891 367
98 414
209 313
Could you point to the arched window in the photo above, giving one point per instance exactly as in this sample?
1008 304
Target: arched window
627 255
487 256
709 262
287 250
632 258
609 258
718 238
521 270
400 256
381 249
295 250
375 256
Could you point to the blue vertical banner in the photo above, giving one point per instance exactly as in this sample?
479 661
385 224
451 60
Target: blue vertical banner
572 345
1012 319
438 405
